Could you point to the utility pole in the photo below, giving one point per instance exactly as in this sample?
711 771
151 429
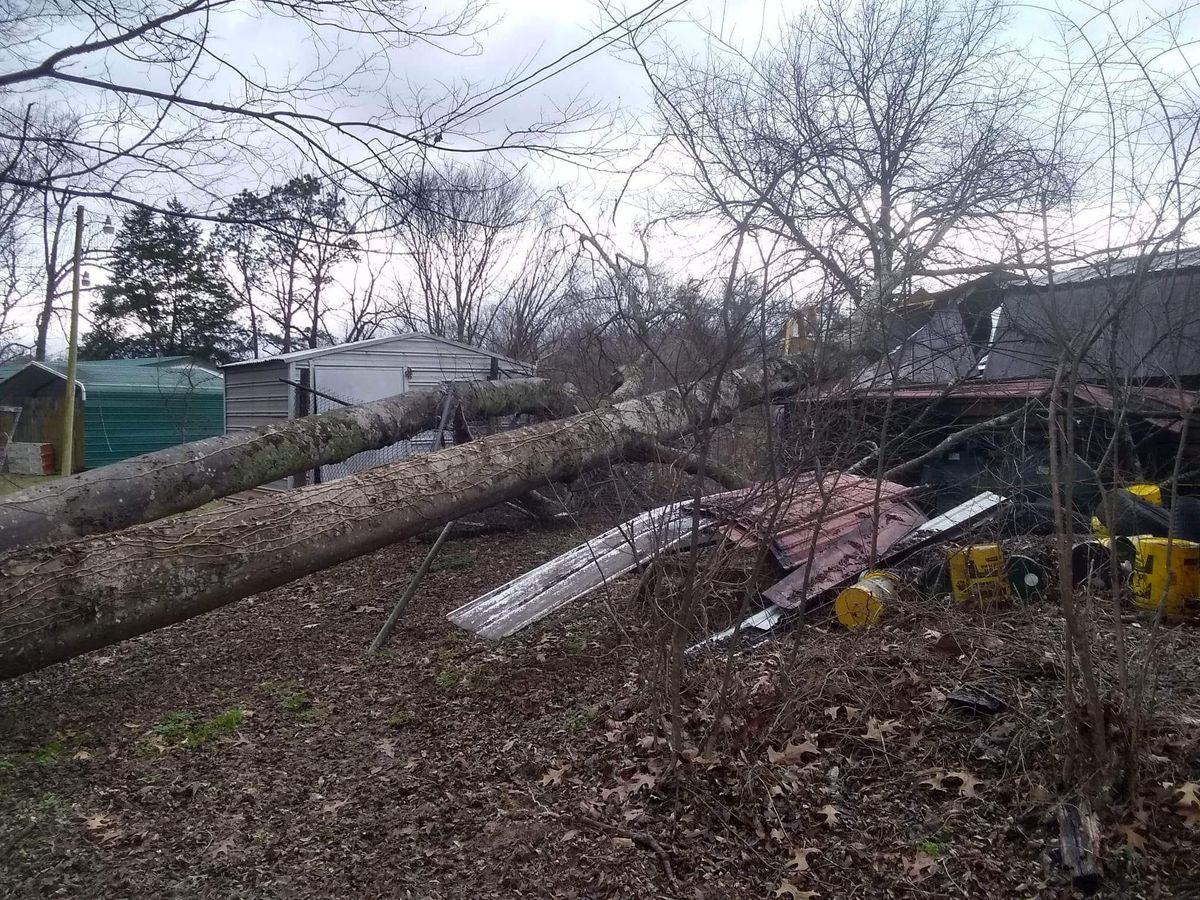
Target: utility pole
68 428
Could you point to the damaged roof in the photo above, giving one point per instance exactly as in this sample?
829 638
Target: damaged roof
1136 328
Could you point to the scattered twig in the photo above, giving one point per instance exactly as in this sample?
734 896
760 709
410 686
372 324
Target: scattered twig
1079 842
638 837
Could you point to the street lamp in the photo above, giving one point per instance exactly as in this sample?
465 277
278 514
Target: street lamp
68 427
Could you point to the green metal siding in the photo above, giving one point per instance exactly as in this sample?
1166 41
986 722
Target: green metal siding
137 406
119 424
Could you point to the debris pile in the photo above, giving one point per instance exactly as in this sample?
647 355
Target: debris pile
857 540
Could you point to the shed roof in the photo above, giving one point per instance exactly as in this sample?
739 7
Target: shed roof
298 355
129 375
1121 267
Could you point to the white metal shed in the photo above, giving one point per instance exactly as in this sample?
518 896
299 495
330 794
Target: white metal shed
273 389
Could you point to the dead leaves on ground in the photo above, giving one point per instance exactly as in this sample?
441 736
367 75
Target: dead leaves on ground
831 815
799 860
942 780
627 788
1187 803
1131 837
102 828
921 866
790 891
881 731
792 753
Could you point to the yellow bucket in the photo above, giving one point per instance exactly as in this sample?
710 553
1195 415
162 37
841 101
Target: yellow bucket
861 604
978 574
1151 493
1176 586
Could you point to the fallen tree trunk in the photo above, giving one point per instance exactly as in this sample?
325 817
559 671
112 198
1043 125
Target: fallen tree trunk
187 476
64 600
657 452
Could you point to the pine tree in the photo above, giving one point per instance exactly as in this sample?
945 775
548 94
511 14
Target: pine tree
168 295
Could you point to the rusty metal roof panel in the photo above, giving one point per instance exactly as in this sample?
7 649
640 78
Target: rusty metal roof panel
1014 389
843 557
802 518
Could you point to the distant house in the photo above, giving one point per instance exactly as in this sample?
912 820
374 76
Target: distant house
277 388
123 407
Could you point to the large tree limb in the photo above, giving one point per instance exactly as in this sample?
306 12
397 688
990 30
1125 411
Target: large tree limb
65 600
187 476
650 451
952 441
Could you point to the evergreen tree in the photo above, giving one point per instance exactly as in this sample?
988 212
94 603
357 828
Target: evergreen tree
168 295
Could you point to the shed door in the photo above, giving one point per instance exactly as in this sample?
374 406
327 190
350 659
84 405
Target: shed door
357 384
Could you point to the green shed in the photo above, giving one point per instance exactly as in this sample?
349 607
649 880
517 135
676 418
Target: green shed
123 407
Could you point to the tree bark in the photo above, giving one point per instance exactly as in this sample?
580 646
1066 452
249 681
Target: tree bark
64 600
187 476
657 452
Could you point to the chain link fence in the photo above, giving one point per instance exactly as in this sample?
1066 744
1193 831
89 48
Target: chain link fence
424 442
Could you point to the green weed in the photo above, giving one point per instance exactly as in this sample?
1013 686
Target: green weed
294 701
48 753
579 718
401 718
450 679
183 729
578 641
453 560
931 847
45 755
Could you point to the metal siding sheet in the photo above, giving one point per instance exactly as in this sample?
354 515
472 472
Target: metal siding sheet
255 396
552 585
121 424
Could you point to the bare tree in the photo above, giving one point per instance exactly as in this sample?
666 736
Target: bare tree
53 174
368 308
882 140
538 296
15 203
459 227
171 105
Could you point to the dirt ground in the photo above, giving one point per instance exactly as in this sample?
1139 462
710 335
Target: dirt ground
257 752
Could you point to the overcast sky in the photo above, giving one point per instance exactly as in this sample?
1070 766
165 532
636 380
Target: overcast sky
521 36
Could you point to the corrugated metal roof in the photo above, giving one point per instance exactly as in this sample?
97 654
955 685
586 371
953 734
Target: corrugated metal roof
1121 267
297 355
808 517
173 374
